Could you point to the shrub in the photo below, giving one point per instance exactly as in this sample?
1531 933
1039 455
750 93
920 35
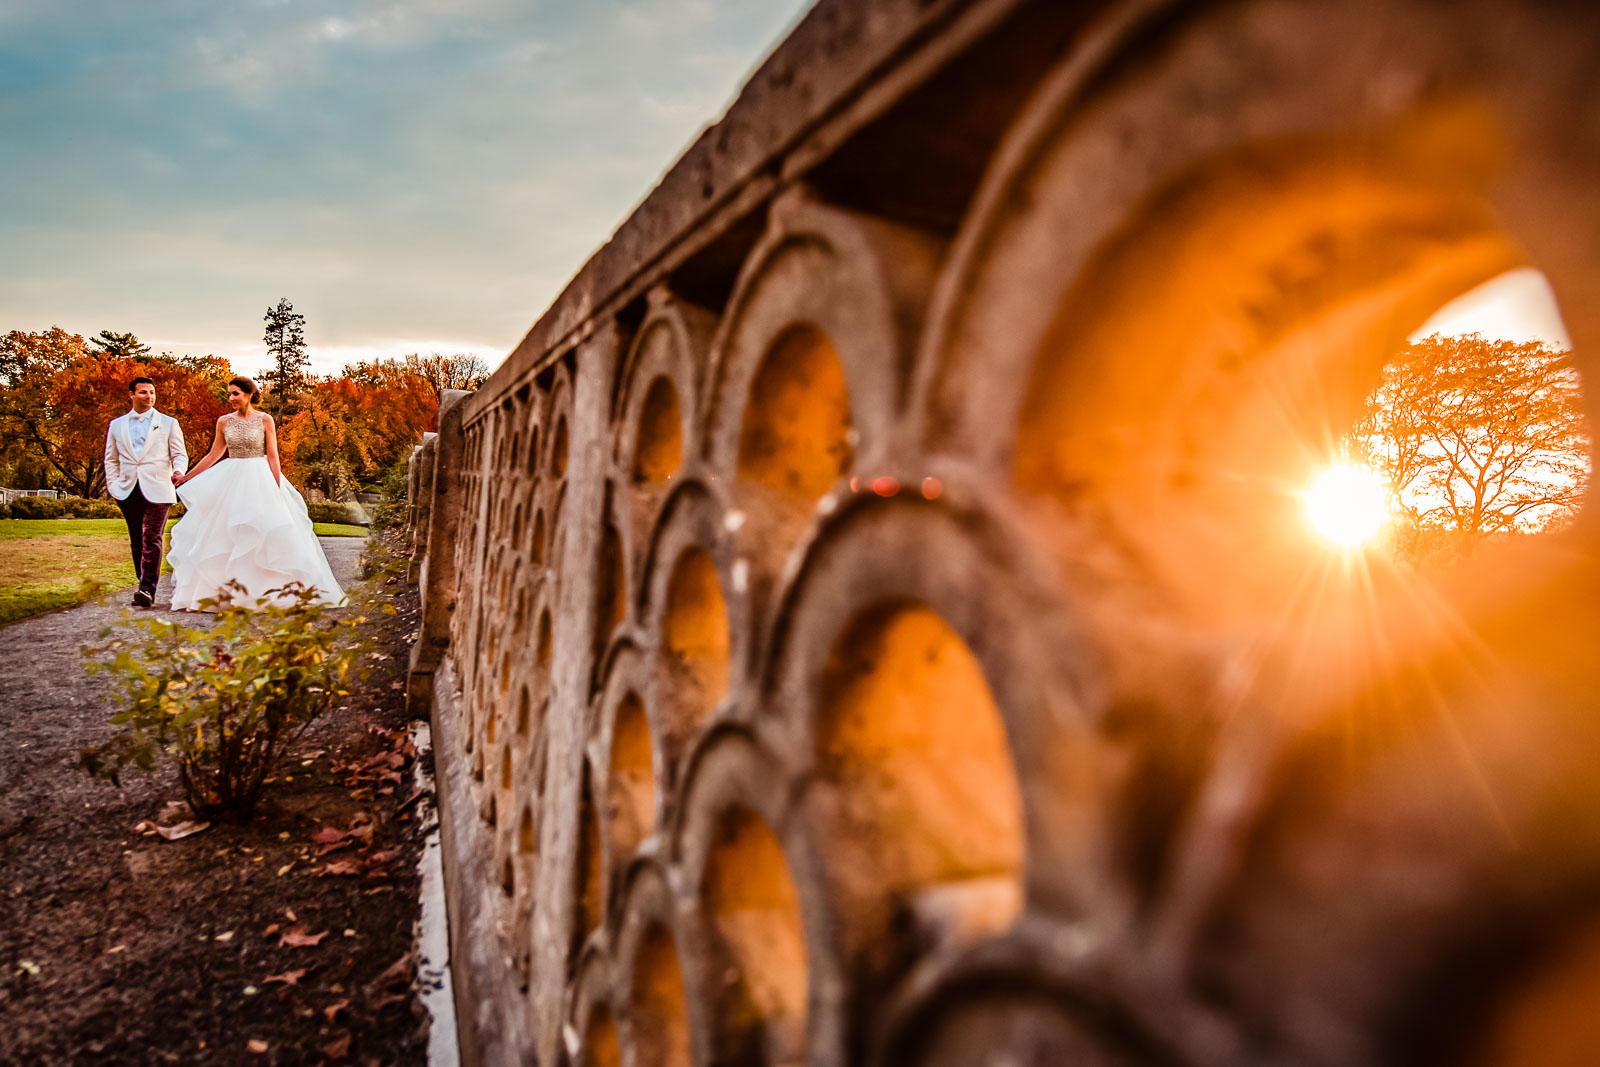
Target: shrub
334 511
38 507
226 703
102 508
390 511
5 510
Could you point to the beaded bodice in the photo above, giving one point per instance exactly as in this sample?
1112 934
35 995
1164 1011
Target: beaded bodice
246 438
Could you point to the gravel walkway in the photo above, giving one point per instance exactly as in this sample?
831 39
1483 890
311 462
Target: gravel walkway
48 710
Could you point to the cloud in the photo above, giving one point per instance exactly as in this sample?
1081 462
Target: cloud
431 169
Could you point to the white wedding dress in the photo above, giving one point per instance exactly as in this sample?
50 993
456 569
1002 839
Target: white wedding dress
240 525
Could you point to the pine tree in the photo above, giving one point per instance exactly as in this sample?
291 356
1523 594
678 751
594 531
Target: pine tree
286 344
119 345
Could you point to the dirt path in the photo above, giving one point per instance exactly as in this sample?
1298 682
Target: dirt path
117 947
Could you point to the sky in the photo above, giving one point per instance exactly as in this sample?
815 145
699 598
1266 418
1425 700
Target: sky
413 175
1518 305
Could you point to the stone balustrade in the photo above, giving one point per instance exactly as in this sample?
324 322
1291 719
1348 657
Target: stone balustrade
869 619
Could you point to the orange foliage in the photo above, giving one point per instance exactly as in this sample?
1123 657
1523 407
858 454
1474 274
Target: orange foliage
349 429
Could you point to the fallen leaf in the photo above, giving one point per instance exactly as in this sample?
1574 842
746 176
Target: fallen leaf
269 931
329 835
287 977
250 990
298 938
291 915
342 867
286 868
257 1046
338 1048
224 937
332 1010
30 967
181 830
118 948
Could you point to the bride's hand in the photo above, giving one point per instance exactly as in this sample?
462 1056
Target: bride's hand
177 477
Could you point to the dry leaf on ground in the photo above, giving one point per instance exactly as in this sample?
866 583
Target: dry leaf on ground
299 938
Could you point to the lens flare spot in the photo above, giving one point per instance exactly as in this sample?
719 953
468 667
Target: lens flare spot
1347 504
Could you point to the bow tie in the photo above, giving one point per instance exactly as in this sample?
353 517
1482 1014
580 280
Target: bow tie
141 418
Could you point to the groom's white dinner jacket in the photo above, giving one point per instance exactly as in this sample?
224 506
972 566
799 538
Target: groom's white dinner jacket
152 466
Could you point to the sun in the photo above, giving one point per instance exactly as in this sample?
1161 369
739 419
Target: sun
1347 504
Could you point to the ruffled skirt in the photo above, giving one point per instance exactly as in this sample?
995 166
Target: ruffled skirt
242 526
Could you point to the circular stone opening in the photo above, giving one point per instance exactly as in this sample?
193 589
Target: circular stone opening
751 897
694 638
917 788
794 438
558 449
600 1047
660 1031
632 788
659 451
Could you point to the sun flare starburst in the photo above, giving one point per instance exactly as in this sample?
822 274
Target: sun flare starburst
1347 504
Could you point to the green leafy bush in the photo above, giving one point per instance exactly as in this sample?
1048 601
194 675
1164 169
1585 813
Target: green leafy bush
5 510
227 703
38 507
334 511
101 508
391 510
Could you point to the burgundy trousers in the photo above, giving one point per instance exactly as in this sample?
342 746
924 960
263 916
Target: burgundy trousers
147 523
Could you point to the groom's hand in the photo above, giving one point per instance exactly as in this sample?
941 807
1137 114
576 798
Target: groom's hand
177 477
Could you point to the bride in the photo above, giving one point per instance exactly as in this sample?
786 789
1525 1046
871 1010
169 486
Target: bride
243 521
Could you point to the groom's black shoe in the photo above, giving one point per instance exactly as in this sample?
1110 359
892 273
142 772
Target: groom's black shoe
142 599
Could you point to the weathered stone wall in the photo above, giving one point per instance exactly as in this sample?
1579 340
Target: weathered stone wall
869 620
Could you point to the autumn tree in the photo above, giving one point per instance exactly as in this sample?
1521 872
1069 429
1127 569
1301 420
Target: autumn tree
1476 438
442 372
349 428
285 336
29 423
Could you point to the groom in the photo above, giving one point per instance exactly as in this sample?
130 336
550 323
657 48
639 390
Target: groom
145 457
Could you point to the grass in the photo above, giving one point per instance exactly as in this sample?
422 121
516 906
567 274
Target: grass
47 564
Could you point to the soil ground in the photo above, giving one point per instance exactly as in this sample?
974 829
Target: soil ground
238 944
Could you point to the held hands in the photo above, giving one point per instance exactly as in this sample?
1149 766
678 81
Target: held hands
178 477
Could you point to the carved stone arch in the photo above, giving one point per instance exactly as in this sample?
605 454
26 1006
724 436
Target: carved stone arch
749 881
855 287
697 614
658 975
557 435
671 343
656 434
1057 1007
923 681
1102 151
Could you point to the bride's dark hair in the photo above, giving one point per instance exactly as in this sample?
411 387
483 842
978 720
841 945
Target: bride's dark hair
247 386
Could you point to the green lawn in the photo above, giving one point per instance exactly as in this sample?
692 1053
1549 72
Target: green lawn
55 563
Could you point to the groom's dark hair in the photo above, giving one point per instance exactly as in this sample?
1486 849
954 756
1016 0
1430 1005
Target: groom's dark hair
138 382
